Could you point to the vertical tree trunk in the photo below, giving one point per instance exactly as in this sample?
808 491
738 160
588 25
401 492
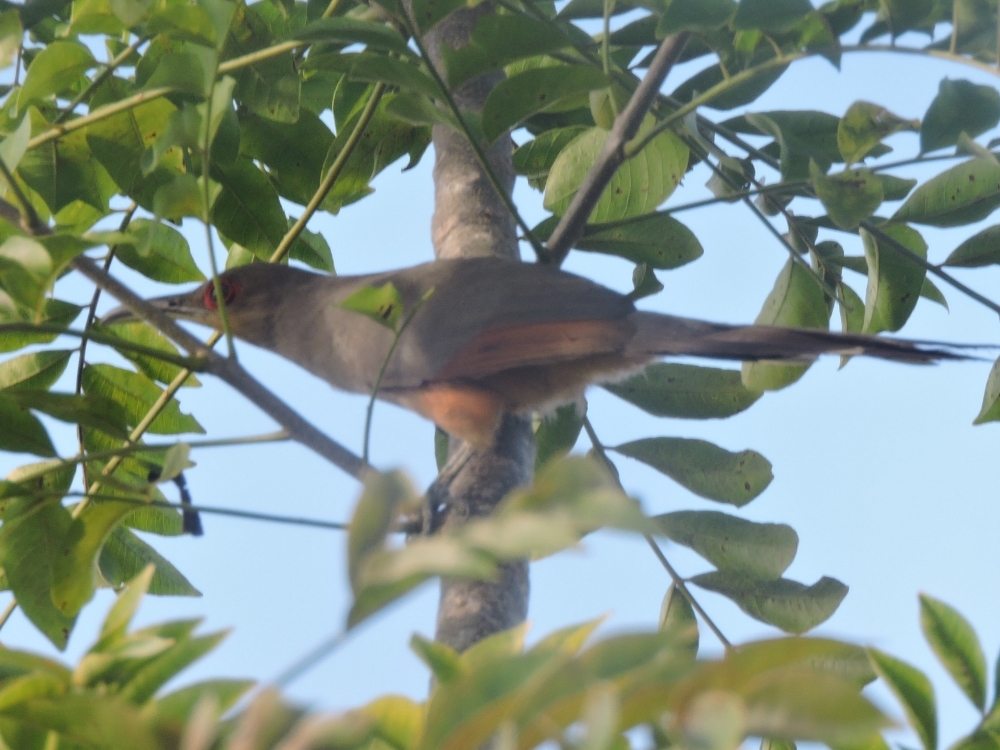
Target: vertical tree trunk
471 220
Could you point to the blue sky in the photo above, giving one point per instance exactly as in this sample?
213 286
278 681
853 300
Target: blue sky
877 466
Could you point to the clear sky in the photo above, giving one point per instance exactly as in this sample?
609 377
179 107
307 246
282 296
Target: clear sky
877 466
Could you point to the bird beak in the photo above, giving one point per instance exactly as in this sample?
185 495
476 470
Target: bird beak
187 306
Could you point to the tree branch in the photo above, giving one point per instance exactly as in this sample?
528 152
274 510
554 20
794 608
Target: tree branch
572 224
228 370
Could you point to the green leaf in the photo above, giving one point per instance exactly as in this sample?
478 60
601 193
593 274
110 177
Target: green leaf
352 30
124 554
312 249
428 13
895 188
959 107
15 146
441 659
758 550
405 75
117 620
271 88
20 430
990 411
864 125
178 705
140 332
770 15
189 22
677 618
695 15
374 514
516 98
732 96
441 447
894 280
797 300
704 468
535 158
929 291
957 647
640 185
88 719
37 370
557 434
293 152
380 303
666 389
11 36
156 673
658 240
89 411
248 210
418 109
54 312
386 575
180 197
963 194
386 139
185 67
73 580
56 68
136 394
788 605
912 688
569 498
849 197
62 171
981 249
801 136
497 41
118 142
31 539
131 12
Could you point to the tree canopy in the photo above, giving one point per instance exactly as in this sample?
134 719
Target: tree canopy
248 119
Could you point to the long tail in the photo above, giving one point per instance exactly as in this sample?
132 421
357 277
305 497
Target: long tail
659 335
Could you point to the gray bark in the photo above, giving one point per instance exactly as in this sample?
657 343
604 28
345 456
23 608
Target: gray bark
471 220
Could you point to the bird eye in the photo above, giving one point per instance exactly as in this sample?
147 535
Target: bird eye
229 290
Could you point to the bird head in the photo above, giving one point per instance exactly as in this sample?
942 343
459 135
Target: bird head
251 294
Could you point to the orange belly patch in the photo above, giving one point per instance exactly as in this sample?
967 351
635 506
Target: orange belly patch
470 414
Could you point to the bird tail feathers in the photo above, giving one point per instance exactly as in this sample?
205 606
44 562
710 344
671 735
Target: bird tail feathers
662 335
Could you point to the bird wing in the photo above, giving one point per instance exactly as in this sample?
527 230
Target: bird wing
488 315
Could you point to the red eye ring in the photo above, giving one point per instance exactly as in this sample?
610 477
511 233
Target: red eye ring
229 292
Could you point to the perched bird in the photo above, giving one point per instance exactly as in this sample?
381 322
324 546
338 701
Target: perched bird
492 336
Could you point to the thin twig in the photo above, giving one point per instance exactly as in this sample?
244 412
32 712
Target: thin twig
8 612
91 315
573 222
385 364
310 660
943 275
101 113
229 370
674 575
331 177
210 509
110 68
259 56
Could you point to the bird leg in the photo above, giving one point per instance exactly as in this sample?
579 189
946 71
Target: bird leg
436 499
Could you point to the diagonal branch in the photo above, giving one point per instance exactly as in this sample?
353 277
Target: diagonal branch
572 224
228 370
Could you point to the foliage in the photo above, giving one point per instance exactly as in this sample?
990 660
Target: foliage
220 112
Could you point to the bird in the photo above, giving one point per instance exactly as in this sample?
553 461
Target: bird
486 336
